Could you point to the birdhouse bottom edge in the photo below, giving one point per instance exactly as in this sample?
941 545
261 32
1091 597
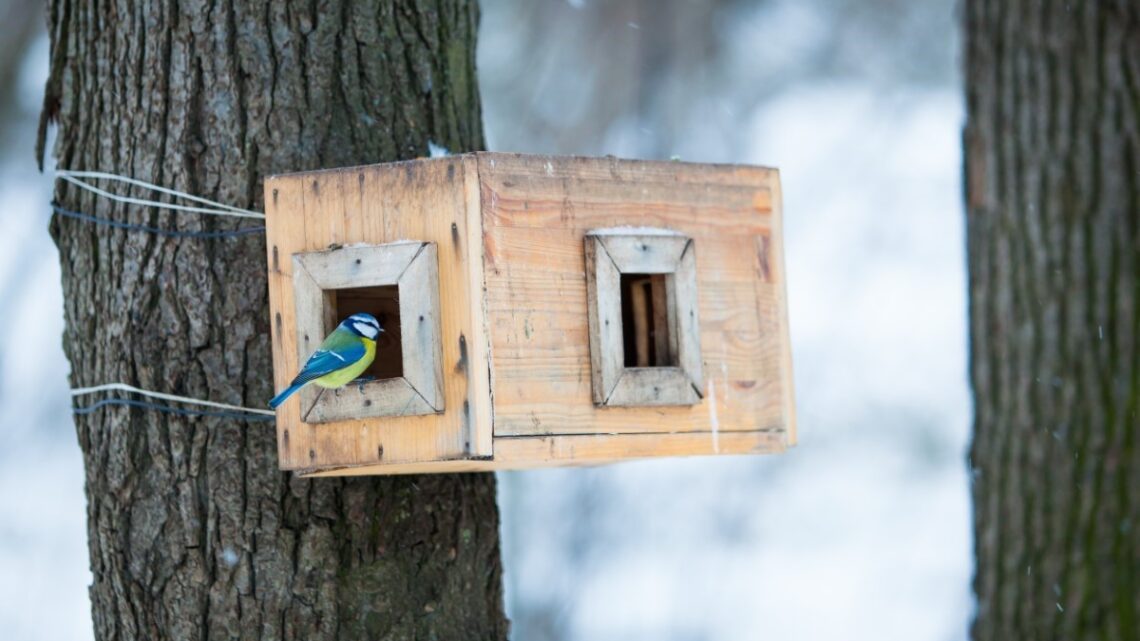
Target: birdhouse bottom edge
527 452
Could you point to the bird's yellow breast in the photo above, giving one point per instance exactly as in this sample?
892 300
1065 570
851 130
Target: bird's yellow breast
343 377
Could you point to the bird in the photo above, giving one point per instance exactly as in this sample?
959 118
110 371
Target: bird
343 356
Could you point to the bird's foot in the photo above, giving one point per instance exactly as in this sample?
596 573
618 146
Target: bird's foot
361 381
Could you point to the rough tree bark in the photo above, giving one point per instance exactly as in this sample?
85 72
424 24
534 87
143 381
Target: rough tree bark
194 534
1053 199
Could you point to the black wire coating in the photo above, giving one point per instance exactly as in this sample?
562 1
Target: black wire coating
169 233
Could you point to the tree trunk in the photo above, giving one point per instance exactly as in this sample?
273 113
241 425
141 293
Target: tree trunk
1053 211
194 533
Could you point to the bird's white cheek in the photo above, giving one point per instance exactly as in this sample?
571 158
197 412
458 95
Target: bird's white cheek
367 331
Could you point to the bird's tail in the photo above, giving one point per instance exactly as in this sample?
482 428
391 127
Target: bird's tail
280 398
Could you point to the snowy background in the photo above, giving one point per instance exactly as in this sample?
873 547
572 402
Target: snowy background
861 532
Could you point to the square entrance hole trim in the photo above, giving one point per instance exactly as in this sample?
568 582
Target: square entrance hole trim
399 284
647 278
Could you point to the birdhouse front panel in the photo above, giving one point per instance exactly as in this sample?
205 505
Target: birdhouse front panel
419 247
536 310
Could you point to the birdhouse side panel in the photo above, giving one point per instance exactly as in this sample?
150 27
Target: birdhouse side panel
537 212
425 201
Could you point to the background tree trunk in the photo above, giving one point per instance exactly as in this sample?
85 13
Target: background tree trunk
1053 200
194 533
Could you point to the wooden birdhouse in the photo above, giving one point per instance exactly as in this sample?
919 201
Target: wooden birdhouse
538 311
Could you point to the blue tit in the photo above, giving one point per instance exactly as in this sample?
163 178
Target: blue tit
343 356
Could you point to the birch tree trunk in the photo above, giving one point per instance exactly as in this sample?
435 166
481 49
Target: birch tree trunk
1053 212
194 533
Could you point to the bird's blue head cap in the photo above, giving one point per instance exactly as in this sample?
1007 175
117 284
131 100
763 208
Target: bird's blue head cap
364 325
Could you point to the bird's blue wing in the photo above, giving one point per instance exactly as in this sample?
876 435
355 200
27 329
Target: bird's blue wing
326 361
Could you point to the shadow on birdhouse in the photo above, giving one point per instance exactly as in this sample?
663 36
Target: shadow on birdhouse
538 311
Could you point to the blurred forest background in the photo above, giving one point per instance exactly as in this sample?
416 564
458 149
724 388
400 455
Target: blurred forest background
861 532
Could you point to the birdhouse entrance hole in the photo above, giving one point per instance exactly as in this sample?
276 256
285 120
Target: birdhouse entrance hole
645 341
398 283
645 321
383 302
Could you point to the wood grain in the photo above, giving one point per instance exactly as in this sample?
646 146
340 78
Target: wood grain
671 257
652 386
607 355
284 227
520 453
536 214
685 316
359 400
519 376
417 201
412 267
773 271
347 267
419 309
313 320
478 364
644 254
